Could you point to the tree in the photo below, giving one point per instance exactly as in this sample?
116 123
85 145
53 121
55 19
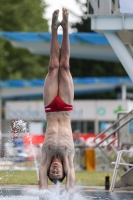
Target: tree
26 16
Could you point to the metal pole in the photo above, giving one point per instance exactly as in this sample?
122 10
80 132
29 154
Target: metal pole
121 52
124 92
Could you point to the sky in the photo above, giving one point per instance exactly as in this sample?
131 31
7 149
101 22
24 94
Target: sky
59 4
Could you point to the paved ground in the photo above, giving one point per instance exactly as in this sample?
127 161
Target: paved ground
30 192
84 188
101 188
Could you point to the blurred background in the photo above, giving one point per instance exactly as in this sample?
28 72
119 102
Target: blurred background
103 86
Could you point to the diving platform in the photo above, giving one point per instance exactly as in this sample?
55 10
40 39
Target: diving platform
113 18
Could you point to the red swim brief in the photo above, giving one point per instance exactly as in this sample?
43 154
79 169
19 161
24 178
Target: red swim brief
58 105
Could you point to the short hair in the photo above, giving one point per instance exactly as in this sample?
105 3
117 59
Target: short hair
56 180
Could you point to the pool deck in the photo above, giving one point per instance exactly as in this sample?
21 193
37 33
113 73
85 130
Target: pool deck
82 188
101 188
20 187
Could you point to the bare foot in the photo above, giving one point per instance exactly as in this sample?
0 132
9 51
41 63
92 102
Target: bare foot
64 22
55 21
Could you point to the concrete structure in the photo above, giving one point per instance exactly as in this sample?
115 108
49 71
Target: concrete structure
107 19
114 19
91 46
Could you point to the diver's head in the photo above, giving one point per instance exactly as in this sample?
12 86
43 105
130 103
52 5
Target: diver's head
56 171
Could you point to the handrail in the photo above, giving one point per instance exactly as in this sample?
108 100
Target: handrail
125 164
112 126
113 132
117 163
112 141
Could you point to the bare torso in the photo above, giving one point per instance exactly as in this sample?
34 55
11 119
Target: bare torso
58 139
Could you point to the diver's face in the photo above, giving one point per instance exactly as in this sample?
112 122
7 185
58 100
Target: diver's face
56 169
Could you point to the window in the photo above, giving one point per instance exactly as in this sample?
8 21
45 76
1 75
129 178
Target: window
83 126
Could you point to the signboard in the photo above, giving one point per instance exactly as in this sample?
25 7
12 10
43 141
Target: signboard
107 110
25 110
83 110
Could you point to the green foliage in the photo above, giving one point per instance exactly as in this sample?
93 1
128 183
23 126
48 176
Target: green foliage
84 25
23 15
91 68
84 178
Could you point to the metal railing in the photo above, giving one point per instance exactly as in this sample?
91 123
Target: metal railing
108 133
117 163
113 129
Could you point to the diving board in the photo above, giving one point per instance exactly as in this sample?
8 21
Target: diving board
91 46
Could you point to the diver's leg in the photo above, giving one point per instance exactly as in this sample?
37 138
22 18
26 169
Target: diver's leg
51 80
66 89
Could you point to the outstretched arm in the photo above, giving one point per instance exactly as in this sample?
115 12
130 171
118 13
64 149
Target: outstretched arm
43 180
70 172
